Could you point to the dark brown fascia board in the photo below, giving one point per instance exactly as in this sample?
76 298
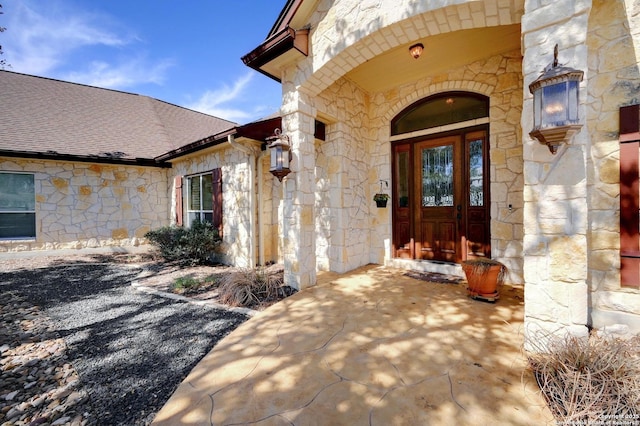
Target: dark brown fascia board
196 146
276 46
146 162
286 15
258 130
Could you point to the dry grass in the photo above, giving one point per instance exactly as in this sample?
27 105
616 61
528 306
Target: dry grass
590 381
251 287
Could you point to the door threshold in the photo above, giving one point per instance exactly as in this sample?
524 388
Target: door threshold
432 266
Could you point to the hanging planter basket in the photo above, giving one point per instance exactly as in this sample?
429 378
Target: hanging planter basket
381 200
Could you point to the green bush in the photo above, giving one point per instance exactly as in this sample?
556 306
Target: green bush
195 245
185 283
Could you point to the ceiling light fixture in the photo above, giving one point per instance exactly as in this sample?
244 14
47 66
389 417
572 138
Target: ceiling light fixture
416 50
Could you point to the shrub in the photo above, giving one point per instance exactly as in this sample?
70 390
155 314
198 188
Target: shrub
185 283
590 381
190 285
194 245
250 287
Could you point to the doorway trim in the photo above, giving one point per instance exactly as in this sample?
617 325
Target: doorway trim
428 112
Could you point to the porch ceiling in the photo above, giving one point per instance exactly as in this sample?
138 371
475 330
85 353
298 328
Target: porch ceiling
441 52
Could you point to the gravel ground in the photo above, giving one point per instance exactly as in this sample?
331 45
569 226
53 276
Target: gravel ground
130 349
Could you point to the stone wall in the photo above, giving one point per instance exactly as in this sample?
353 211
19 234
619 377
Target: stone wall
344 204
238 194
614 79
271 201
556 212
80 205
298 208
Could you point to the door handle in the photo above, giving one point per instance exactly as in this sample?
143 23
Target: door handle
459 216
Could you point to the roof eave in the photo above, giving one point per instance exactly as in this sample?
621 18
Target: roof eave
196 146
282 42
147 162
286 16
258 131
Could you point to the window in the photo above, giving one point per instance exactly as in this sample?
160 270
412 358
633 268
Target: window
440 110
203 198
17 205
200 198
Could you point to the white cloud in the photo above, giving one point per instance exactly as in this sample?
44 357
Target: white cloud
38 41
216 102
42 37
120 76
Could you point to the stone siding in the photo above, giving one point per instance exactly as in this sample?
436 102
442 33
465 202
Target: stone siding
237 193
298 209
271 203
344 173
614 81
85 205
556 214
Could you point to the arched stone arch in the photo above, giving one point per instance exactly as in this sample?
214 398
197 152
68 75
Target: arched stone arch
338 58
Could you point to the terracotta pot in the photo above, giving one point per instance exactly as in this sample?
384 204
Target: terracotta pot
483 286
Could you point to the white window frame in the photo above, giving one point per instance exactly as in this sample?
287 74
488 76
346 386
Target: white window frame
200 213
15 211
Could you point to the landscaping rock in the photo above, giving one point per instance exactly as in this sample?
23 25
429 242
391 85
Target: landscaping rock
80 346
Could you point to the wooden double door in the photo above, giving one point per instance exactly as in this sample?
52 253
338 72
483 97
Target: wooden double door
441 208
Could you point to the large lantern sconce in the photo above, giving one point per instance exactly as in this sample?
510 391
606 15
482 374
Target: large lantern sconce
556 99
280 154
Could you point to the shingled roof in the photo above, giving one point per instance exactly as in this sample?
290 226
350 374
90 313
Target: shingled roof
56 118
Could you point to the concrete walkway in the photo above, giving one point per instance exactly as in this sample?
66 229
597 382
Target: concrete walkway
371 347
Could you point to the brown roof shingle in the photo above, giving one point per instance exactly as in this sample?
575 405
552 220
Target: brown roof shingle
42 115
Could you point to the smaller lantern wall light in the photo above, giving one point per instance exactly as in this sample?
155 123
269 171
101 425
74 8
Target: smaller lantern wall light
416 50
556 99
280 154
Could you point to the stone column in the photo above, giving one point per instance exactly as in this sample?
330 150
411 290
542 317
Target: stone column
555 186
298 223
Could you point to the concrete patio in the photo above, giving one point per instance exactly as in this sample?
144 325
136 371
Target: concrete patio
370 347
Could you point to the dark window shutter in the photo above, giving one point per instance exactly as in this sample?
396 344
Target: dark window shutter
629 196
178 200
217 199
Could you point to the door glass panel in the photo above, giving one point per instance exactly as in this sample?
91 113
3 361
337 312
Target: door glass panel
437 176
403 179
476 179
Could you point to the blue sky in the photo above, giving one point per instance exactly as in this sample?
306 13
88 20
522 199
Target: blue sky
186 53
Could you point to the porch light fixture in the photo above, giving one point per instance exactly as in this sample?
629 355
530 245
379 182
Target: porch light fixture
280 154
556 98
416 50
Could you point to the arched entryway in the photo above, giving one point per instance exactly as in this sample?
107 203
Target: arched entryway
441 205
